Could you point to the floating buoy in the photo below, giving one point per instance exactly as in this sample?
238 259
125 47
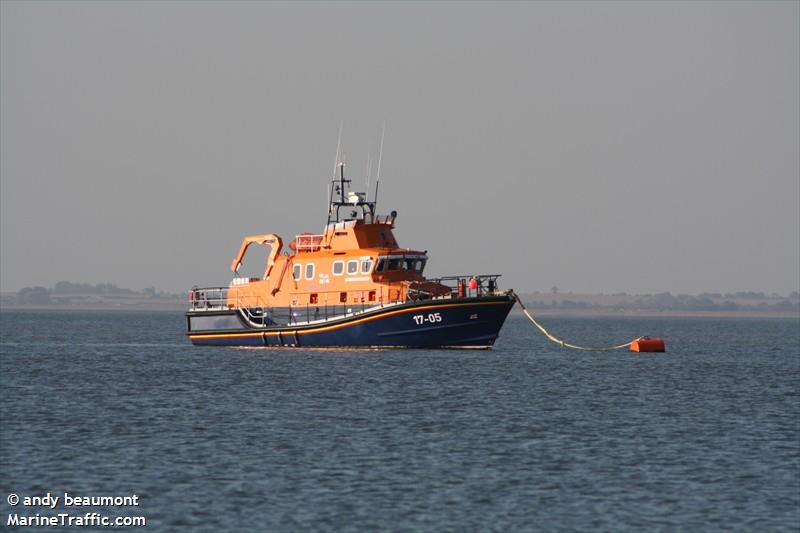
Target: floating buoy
646 344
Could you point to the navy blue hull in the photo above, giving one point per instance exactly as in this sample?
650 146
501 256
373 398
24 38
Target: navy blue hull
468 322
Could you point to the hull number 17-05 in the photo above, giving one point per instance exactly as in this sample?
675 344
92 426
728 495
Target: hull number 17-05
430 318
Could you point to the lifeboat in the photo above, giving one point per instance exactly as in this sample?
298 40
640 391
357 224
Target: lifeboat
351 285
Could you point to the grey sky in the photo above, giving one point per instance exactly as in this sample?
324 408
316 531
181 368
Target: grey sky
600 147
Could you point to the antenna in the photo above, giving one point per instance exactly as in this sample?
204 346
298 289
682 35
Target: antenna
369 170
331 187
342 181
380 158
338 149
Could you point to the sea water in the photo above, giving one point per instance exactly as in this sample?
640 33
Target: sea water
523 437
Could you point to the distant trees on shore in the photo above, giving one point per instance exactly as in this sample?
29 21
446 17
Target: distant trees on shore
33 296
666 301
68 291
68 287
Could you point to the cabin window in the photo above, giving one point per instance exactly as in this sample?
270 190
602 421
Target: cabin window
371 296
297 272
394 264
409 264
338 268
419 265
381 265
343 297
313 298
310 271
352 267
366 266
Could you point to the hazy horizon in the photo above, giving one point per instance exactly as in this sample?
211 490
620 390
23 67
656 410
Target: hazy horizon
596 147
561 291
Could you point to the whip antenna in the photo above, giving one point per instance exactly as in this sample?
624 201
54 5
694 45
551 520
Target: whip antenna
380 158
331 187
369 170
338 149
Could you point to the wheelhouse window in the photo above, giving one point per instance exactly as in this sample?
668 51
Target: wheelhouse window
366 266
297 271
310 271
410 263
352 267
338 268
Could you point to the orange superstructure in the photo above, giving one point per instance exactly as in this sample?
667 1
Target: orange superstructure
356 260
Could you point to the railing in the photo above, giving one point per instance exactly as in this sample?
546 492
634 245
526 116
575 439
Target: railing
308 243
259 315
208 298
256 310
383 219
216 298
463 286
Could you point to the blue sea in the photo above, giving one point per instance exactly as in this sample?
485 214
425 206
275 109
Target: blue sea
525 437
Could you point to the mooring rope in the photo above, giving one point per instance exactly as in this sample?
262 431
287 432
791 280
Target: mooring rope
564 344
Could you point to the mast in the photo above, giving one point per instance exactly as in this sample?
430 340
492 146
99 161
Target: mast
340 196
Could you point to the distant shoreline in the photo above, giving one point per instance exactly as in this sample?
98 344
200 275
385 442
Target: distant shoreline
582 313
75 297
166 306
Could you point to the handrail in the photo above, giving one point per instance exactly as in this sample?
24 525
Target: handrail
208 298
383 219
465 286
455 287
308 242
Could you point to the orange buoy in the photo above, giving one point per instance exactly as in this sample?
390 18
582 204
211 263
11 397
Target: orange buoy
646 344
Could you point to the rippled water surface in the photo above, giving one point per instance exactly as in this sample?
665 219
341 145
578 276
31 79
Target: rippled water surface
523 437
